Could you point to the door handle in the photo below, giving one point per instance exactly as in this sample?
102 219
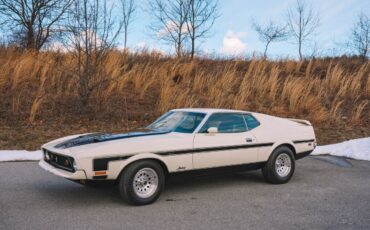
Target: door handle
248 139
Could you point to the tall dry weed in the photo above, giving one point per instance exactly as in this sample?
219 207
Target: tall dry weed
42 85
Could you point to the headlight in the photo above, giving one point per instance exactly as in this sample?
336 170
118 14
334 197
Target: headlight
74 165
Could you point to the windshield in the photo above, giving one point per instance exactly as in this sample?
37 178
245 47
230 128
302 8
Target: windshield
177 121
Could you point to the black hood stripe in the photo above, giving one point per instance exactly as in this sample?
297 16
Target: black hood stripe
103 137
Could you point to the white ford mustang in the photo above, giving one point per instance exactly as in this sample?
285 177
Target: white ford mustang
182 140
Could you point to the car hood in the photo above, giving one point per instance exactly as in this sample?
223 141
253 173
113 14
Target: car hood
92 138
98 144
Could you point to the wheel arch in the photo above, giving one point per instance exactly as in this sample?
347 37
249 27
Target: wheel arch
289 145
149 158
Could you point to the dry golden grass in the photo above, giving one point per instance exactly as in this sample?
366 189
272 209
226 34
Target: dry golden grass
44 86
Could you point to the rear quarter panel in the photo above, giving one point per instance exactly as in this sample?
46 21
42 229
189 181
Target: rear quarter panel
281 131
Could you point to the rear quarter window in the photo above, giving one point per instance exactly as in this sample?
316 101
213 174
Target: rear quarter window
251 121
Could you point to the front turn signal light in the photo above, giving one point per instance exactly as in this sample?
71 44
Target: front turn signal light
100 173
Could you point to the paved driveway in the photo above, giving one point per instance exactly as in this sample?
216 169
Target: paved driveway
325 193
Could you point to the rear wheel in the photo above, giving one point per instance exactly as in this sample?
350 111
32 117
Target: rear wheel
141 182
280 167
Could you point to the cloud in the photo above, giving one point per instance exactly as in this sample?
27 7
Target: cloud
141 45
233 44
171 27
56 46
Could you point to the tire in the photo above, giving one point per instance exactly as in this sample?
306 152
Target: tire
277 169
142 182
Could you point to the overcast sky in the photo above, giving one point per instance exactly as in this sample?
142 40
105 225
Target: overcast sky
233 32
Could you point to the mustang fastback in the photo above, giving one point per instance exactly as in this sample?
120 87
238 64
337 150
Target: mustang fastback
182 141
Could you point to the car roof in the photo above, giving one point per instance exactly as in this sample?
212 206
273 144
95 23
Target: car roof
209 110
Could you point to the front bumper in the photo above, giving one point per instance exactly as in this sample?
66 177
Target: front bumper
77 175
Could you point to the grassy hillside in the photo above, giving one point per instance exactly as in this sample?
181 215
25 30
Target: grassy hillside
39 97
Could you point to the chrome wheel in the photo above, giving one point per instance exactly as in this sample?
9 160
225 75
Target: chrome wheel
145 182
283 165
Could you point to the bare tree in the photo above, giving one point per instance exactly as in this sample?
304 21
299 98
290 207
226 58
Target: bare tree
91 33
34 20
302 23
272 32
128 10
360 37
201 17
170 19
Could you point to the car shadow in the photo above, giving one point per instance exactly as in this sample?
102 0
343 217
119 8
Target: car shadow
341 162
64 191
68 193
180 181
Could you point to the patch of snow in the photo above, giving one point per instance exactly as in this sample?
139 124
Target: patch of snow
358 149
20 155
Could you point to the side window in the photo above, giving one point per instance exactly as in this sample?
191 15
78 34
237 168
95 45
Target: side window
251 121
225 123
190 123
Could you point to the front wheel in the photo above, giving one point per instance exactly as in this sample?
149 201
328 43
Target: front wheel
280 166
141 182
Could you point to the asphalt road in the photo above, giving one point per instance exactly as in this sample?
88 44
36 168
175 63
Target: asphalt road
321 195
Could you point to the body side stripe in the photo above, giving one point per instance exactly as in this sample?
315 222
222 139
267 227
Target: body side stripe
303 141
102 163
211 149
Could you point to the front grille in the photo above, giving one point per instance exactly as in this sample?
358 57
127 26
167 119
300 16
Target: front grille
58 160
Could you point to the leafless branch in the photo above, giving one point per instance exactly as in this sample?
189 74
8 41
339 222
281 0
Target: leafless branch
128 11
270 33
34 21
360 36
201 17
91 31
169 25
302 22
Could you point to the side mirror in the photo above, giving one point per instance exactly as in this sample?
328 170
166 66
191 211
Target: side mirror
212 130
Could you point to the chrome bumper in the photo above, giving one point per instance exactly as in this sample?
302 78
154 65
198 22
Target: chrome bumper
77 175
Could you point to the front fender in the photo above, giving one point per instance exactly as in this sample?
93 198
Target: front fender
173 163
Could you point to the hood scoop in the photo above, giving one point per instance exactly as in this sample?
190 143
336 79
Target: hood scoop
103 137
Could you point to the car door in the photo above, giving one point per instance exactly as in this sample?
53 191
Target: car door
229 146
